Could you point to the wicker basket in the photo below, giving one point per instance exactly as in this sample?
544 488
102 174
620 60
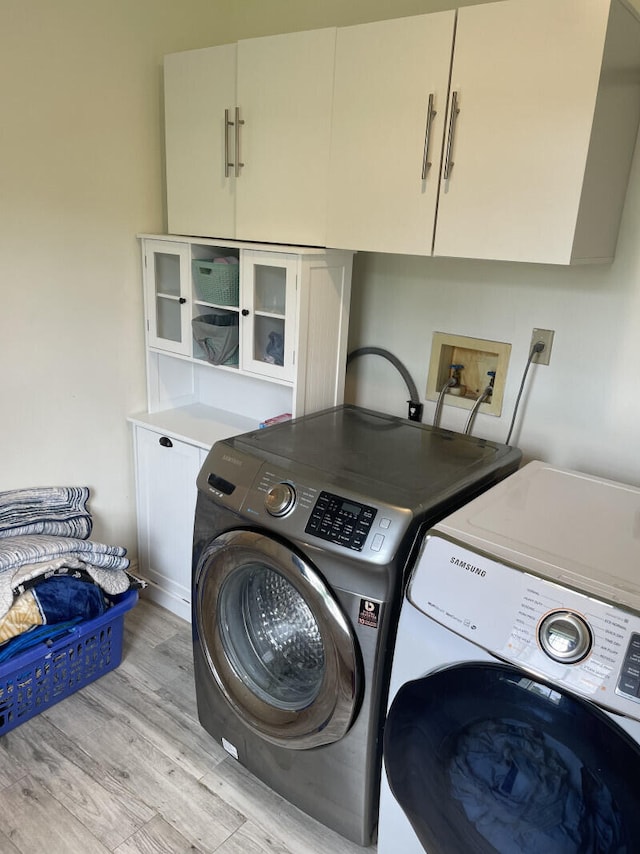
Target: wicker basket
216 282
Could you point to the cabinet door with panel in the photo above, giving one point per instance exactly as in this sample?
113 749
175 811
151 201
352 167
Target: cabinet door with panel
167 274
200 92
543 116
389 109
268 314
285 91
166 471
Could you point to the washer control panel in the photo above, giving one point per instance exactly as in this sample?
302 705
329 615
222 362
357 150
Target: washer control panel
338 520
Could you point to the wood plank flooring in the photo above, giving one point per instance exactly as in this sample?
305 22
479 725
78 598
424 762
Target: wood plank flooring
124 766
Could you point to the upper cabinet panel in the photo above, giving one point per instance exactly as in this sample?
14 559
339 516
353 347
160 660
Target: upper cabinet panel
531 83
389 110
285 89
199 86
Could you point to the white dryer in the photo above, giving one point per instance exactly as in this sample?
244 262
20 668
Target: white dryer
514 710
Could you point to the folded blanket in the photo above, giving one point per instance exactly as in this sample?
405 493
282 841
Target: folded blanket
23 559
59 510
18 551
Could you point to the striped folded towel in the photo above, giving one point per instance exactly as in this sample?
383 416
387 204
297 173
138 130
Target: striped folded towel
57 510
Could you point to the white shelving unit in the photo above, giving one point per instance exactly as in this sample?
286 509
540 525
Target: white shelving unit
289 309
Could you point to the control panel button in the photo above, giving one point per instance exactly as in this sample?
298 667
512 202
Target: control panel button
376 542
280 499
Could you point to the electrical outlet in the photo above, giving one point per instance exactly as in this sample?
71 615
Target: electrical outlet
546 336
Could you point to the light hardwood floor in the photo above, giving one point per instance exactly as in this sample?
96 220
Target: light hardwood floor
124 766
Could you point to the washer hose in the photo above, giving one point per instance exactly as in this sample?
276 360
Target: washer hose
406 376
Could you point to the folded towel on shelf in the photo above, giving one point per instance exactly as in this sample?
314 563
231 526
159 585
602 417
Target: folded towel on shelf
56 510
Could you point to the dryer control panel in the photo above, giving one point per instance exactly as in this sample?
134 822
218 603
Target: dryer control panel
583 644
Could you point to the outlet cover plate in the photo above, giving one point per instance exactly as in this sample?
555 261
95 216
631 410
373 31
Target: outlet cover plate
545 335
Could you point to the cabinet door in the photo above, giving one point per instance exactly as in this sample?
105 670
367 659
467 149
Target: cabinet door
200 149
389 110
166 472
525 75
167 291
285 86
268 314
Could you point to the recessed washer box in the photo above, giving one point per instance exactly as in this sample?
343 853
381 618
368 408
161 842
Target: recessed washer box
478 356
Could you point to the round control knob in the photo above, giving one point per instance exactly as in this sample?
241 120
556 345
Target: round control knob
280 499
565 637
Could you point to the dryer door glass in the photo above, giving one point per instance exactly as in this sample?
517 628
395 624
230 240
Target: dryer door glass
483 758
276 640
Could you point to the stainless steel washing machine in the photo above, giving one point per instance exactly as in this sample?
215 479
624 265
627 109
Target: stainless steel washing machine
303 535
514 719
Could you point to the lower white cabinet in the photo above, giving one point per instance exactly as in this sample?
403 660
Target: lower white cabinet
166 471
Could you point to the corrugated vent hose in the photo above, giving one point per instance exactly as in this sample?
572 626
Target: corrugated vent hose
415 407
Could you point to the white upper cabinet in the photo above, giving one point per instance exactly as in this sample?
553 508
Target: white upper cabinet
389 112
248 129
501 131
540 150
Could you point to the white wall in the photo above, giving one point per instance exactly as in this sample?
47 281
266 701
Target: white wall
583 410
81 173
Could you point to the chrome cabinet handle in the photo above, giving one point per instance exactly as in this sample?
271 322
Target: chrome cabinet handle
227 162
431 113
455 109
239 122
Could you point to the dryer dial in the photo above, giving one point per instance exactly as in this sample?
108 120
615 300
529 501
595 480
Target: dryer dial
280 499
565 637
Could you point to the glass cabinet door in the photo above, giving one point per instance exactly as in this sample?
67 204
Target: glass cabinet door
167 272
268 309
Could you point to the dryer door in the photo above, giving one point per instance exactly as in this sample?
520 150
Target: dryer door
276 640
483 758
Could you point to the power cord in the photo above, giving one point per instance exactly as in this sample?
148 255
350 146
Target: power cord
538 347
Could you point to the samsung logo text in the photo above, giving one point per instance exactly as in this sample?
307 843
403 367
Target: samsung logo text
474 570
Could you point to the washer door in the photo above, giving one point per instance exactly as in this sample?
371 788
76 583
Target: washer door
276 640
483 758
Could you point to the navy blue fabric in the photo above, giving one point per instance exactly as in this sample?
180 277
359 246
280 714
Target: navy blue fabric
61 599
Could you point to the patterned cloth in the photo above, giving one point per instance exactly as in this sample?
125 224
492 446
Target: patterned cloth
57 510
23 559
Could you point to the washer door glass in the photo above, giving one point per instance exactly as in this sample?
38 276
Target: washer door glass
482 758
276 640
271 637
